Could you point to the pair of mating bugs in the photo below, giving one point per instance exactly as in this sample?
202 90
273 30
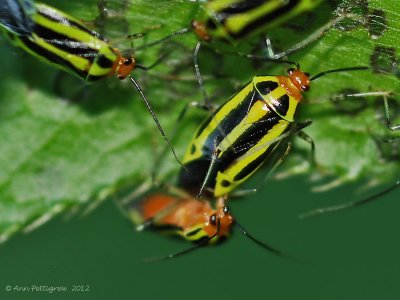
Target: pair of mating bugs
230 145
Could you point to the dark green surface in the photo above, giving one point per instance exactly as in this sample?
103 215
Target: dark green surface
353 255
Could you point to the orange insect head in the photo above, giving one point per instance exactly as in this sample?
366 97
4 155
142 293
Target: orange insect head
123 66
200 30
300 79
221 220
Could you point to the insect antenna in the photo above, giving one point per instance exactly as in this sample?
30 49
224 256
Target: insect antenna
153 114
154 64
338 70
268 247
258 242
197 246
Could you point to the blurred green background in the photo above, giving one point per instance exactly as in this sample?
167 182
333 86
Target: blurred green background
352 255
63 143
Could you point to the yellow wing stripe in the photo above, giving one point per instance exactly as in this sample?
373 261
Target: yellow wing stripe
251 155
213 125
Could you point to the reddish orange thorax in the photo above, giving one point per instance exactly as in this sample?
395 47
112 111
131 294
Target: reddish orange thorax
295 83
200 30
123 66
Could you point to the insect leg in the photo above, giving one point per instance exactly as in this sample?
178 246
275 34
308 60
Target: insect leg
384 95
206 100
164 39
202 243
153 220
111 15
210 169
305 137
353 204
387 115
131 205
61 86
311 38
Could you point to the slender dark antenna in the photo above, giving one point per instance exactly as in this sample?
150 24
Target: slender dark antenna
152 113
154 64
338 70
162 40
337 208
191 249
202 243
258 242
269 248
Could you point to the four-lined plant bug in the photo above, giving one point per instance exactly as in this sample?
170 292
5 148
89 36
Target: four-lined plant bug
179 213
65 42
233 20
234 141
182 215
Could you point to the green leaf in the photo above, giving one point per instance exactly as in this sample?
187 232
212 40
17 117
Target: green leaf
64 143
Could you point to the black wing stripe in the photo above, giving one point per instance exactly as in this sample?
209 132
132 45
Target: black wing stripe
248 140
230 122
53 15
65 43
267 18
50 56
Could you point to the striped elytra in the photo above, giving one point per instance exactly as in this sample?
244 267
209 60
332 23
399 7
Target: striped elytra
242 133
233 20
64 41
236 19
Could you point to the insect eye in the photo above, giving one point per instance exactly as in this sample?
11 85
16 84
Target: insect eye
290 71
305 88
127 61
213 219
226 210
